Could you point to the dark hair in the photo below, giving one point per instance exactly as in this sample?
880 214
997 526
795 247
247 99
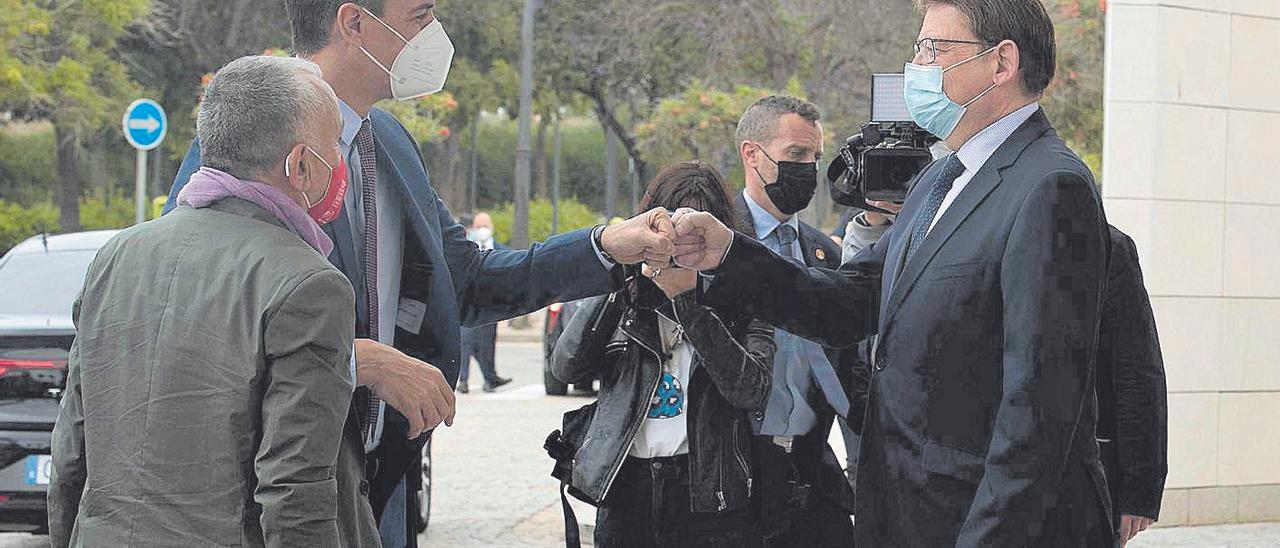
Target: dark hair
1025 22
312 21
694 184
759 122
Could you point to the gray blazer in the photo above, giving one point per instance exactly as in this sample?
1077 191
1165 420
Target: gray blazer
207 389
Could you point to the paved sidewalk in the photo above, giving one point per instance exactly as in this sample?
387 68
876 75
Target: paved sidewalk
1251 535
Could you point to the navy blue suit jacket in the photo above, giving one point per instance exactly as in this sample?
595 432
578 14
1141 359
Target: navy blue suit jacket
458 283
980 415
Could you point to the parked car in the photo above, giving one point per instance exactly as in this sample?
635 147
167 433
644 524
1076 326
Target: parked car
39 281
424 494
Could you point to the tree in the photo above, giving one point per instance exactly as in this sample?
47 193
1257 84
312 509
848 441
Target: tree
58 63
621 57
1074 98
698 123
179 42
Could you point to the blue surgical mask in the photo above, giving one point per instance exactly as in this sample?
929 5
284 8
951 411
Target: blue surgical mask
928 104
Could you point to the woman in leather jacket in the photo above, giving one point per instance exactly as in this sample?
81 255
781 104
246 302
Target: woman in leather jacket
666 456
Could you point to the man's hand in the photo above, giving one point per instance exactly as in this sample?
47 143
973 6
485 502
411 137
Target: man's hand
1130 526
701 240
414 388
874 218
645 237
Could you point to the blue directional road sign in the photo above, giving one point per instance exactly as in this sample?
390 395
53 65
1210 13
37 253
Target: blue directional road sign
145 124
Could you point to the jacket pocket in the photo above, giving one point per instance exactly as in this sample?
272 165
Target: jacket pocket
955 270
953 462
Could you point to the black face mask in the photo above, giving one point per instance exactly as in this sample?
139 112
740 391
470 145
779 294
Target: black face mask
797 181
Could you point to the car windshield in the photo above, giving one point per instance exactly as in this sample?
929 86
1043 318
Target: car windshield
42 284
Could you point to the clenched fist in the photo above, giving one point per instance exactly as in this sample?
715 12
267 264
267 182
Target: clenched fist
647 237
701 240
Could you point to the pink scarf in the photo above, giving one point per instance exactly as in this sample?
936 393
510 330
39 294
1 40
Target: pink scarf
210 185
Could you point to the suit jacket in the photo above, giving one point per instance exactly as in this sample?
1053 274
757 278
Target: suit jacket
452 281
207 387
979 423
1132 406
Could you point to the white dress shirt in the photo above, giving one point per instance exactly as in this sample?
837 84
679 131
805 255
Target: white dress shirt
975 153
390 243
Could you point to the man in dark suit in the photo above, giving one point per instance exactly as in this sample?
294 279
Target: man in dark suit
417 278
800 497
985 295
481 341
1132 400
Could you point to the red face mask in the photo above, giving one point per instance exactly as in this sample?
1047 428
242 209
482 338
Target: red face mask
330 205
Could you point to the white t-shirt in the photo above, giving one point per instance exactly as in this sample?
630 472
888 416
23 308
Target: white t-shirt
665 431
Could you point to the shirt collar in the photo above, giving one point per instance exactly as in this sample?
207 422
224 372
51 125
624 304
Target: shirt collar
763 221
974 153
350 123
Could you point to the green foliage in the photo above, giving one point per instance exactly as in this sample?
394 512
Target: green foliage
99 211
107 210
573 216
17 223
59 63
27 172
697 123
1073 101
582 163
425 118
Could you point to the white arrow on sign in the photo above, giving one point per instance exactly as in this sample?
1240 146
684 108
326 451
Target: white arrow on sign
149 123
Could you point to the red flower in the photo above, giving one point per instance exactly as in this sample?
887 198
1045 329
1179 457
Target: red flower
444 132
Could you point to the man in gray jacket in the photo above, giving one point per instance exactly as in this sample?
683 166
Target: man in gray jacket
211 375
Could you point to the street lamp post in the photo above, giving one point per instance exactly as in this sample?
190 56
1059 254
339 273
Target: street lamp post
520 232
555 175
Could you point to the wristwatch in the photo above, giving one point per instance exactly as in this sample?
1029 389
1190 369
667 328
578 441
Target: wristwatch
596 234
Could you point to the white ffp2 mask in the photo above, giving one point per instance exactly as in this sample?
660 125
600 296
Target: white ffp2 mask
422 66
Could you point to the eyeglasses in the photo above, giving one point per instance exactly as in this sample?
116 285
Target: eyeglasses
927 48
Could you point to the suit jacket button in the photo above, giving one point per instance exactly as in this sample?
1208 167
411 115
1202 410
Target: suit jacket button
879 363
364 488
759 415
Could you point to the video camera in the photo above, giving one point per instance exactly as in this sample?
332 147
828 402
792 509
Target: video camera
879 162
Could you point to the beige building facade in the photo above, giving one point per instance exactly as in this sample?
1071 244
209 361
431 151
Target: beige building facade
1192 173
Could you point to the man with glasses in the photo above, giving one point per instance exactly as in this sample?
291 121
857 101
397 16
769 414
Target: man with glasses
984 297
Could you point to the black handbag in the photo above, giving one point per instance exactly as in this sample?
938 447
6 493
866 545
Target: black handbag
562 445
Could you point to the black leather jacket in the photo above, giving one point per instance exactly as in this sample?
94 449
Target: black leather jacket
730 378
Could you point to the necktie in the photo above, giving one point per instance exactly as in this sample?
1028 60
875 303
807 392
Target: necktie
941 186
785 236
369 197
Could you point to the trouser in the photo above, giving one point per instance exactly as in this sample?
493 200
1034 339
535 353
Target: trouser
479 342
649 506
793 510
393 527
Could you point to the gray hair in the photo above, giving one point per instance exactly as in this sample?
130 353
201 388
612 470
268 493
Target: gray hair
760 121
256 110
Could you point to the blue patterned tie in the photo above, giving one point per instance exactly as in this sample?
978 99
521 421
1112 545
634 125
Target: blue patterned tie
941 186
785 235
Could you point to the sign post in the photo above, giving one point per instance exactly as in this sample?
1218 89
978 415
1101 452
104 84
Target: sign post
144 127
